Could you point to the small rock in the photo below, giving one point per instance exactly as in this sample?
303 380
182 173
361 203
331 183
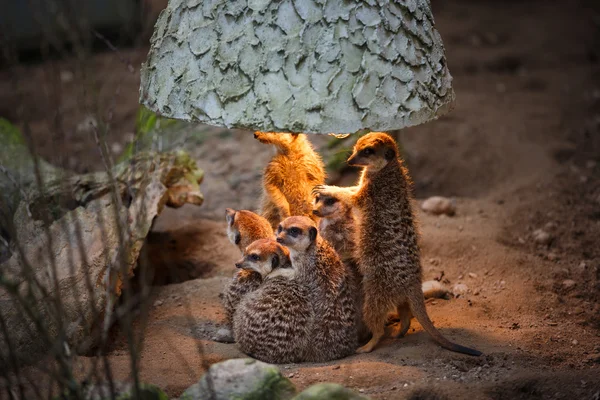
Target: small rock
116 148
88 124
325 391
336 367
223 335
550 226
541 236
593 358
521 240
575 342
582 266
551 256
569 284
472 275
158 303
241 378
460 289
439 205
66 76
290 375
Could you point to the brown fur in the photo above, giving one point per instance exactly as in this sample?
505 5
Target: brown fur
387 247
243 228
289 177
319 268
273 323
337 226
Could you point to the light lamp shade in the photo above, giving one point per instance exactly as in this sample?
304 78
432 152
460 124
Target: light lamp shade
311 66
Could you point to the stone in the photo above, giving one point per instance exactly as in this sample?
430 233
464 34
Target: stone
460 289
301 66
331 391
123 391
241 379
569 284
223 335
439 205
541 236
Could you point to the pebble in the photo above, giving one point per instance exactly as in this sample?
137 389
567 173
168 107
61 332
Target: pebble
550 226
116 148
158 303
575 342
541 236
66 76
551 256
582 266
223 335
569 283
439 205
460 289
291 375
472 275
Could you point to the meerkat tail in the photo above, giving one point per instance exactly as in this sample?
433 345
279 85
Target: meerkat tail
417 305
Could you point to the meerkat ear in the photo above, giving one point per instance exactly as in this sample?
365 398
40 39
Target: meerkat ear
390 154
275 261
312 233
230 215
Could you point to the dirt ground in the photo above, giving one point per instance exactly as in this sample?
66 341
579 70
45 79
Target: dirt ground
520 152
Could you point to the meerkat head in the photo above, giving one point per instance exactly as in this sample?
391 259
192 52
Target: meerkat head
267 257
244 227
327 206
297 233
374 151
276 138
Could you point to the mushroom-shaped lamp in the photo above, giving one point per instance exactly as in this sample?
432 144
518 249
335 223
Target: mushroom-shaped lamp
311 66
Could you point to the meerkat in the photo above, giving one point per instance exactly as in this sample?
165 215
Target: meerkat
319 268
387 247
243 228
289 177
337 225
273 323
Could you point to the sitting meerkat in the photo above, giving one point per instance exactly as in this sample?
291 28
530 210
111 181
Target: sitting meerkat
273 323
387 247
319 268
289 177
243 228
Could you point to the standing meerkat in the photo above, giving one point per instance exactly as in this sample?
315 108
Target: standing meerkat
319 268
289 177
243 228
387 247
273 323
337 225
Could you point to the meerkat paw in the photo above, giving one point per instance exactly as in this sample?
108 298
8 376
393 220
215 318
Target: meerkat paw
367 348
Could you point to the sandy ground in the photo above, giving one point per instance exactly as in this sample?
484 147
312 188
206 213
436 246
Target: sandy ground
520 152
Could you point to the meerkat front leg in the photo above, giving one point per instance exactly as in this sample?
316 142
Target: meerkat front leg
343 194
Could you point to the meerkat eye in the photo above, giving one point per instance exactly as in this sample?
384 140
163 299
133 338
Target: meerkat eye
295 232
238 238
254 257
279 228
368 152
330 202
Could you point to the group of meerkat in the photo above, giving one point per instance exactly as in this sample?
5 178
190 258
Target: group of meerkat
324 267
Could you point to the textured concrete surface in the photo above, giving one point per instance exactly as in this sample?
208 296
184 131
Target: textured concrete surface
315 66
